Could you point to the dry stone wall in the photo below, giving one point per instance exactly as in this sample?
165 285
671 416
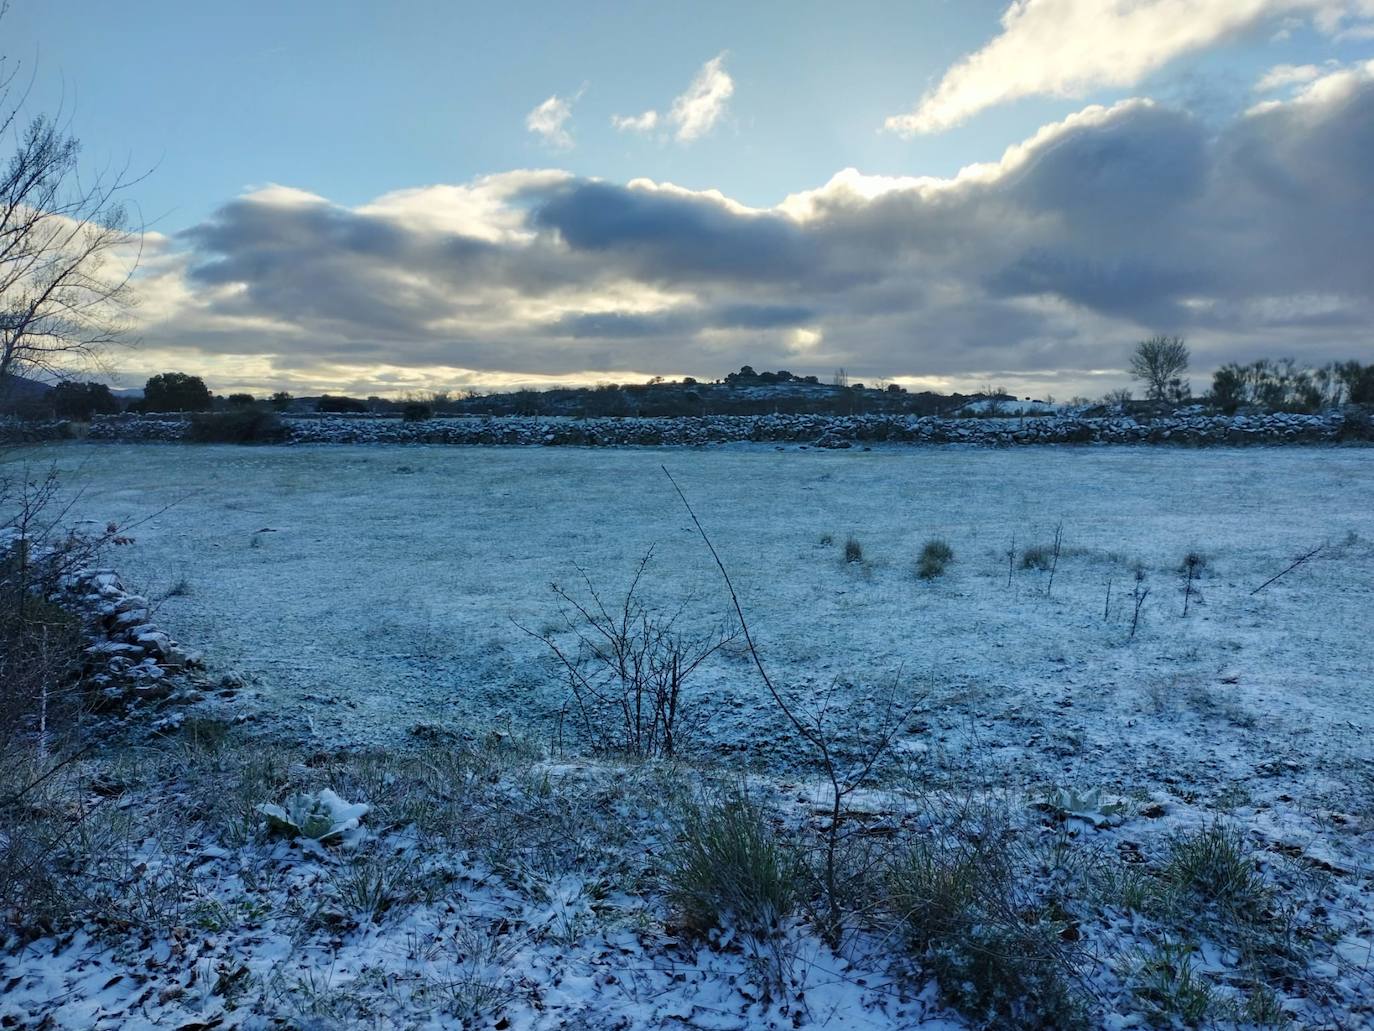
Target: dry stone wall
1187 428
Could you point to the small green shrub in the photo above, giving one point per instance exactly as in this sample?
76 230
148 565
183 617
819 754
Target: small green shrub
853 551
729 868
936 556
242 425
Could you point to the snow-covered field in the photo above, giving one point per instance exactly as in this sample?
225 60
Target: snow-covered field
367 591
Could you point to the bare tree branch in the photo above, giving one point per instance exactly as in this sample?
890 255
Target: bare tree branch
68 250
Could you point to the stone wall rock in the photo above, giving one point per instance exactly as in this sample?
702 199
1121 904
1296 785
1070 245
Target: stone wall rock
33 431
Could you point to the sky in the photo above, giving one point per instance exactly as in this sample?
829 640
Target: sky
391 198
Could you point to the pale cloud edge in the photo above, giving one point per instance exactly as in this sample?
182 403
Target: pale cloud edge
1065 48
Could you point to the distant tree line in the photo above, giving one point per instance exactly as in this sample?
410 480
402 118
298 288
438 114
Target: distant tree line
1277 384
1284 384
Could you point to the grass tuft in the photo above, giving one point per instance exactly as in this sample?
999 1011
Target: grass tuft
936 556
730 869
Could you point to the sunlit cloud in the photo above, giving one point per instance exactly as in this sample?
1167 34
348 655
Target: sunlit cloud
1065 48
694 112
549 121
1281 76
645 122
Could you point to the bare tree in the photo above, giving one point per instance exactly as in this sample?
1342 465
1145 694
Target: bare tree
994 398
68 248
1160 363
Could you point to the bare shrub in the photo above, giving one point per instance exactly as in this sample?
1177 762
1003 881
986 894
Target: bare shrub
853 550
628 666
1139 592
1191 568
41 697
844 773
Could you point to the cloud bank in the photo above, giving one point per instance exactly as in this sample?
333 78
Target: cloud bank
1064 48
1040 268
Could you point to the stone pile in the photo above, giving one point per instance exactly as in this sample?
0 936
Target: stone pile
130 658
1192 428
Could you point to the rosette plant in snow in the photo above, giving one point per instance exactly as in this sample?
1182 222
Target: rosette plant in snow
322 816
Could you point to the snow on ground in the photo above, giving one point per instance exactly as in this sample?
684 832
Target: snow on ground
365 591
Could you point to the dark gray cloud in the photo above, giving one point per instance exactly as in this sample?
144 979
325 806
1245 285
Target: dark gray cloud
673 237
623 326
1250 238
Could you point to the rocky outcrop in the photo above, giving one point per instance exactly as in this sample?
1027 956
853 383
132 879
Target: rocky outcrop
1189 428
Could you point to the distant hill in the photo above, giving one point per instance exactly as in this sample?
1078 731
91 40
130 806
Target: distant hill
19 395
740 393
20 387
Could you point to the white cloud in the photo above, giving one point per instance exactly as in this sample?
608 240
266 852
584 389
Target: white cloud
695 111
1283 75
645 122
549 118
1064 48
